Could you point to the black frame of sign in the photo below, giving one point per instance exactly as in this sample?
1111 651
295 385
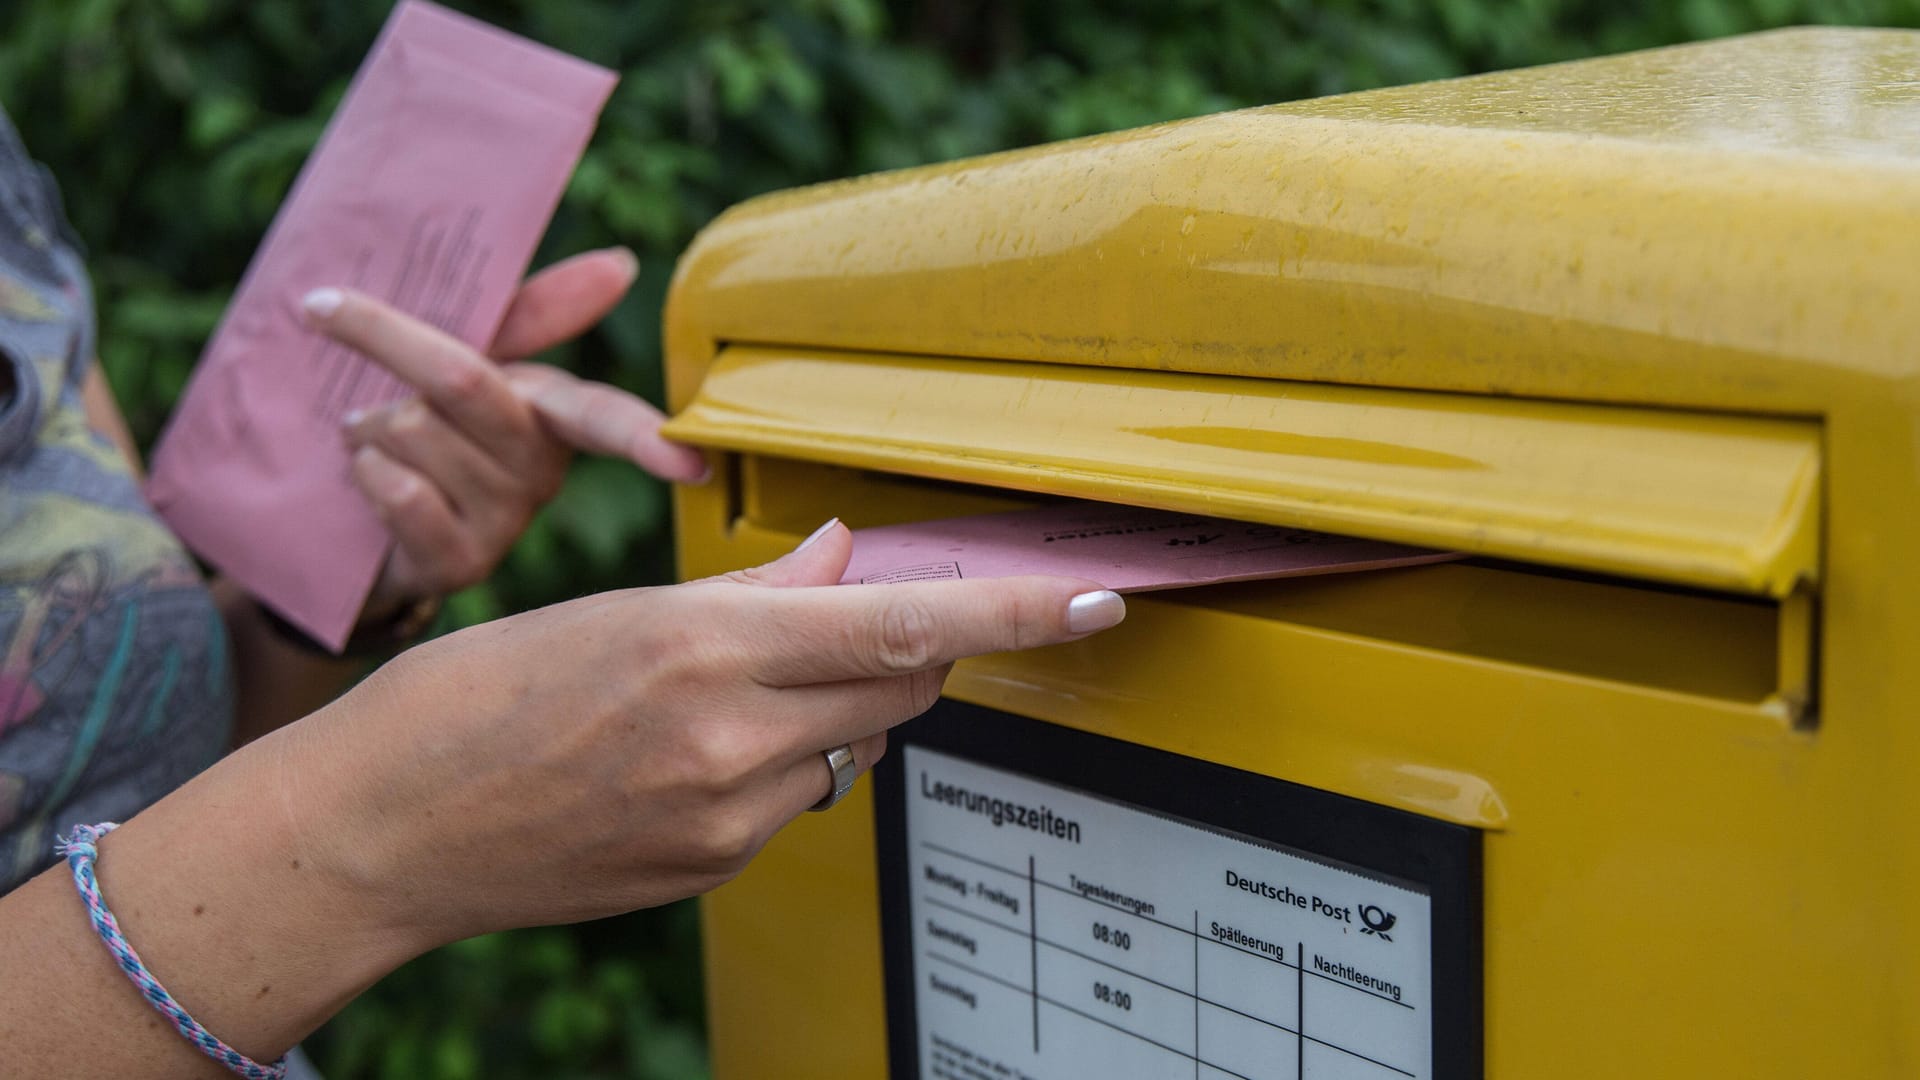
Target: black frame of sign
1438 857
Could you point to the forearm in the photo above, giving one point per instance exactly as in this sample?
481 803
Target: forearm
278 681
218 888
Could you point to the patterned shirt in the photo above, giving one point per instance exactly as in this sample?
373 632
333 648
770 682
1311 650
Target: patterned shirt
114 683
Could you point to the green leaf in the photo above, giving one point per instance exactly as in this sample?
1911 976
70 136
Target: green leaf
739 77
605 509
218 116
454 1056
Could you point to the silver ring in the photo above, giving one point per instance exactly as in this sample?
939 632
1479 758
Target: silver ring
840 760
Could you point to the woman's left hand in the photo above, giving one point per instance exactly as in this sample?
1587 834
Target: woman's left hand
458 470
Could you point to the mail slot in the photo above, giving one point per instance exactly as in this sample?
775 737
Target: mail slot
1627 791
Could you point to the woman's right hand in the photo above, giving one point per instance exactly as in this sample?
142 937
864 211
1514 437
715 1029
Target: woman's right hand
586 759
634 748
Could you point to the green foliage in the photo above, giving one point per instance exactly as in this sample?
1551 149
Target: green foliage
602 1000
176 126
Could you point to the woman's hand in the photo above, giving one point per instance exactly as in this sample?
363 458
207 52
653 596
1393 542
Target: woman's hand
590 758
634 748
458 471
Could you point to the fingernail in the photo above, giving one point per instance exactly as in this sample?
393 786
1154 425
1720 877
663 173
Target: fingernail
398 486
390 483
632 261
353 418
1095 611
817 534
321 303
706 474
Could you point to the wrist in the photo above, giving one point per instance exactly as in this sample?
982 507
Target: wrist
382 630
357 808
222 889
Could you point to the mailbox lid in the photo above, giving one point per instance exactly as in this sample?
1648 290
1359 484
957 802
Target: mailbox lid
1709 501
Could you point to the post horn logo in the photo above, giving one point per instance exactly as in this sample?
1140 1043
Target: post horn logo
1378 921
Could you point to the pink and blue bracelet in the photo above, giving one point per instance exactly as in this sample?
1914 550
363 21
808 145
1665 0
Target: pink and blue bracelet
80 850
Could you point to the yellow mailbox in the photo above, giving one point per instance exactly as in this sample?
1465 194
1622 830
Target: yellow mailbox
1629 792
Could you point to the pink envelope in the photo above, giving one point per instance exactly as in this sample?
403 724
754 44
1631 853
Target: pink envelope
1125 548
430 189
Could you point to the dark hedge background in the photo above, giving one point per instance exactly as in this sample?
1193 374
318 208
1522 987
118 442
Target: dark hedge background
176 126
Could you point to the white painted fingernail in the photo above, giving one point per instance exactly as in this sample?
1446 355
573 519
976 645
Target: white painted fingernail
321 303
1095 611
353 418
816 535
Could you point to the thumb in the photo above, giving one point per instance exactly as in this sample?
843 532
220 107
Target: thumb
562 301
820 559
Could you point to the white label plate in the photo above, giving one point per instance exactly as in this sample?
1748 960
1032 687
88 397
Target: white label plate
1059 935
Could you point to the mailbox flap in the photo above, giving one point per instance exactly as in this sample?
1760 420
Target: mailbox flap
1704 500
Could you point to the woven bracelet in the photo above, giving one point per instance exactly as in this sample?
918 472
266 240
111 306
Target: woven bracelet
80 851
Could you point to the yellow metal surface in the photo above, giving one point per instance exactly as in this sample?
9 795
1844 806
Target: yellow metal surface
1678 882
1711 501
1665 252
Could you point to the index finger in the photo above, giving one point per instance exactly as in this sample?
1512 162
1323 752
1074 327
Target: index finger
460 384
839 632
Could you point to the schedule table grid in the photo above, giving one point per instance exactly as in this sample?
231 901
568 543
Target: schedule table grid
1121 998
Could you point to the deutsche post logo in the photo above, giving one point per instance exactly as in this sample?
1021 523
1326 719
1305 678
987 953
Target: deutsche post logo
1377 921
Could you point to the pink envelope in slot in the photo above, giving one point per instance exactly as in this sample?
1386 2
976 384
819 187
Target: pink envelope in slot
430 188
1125 548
